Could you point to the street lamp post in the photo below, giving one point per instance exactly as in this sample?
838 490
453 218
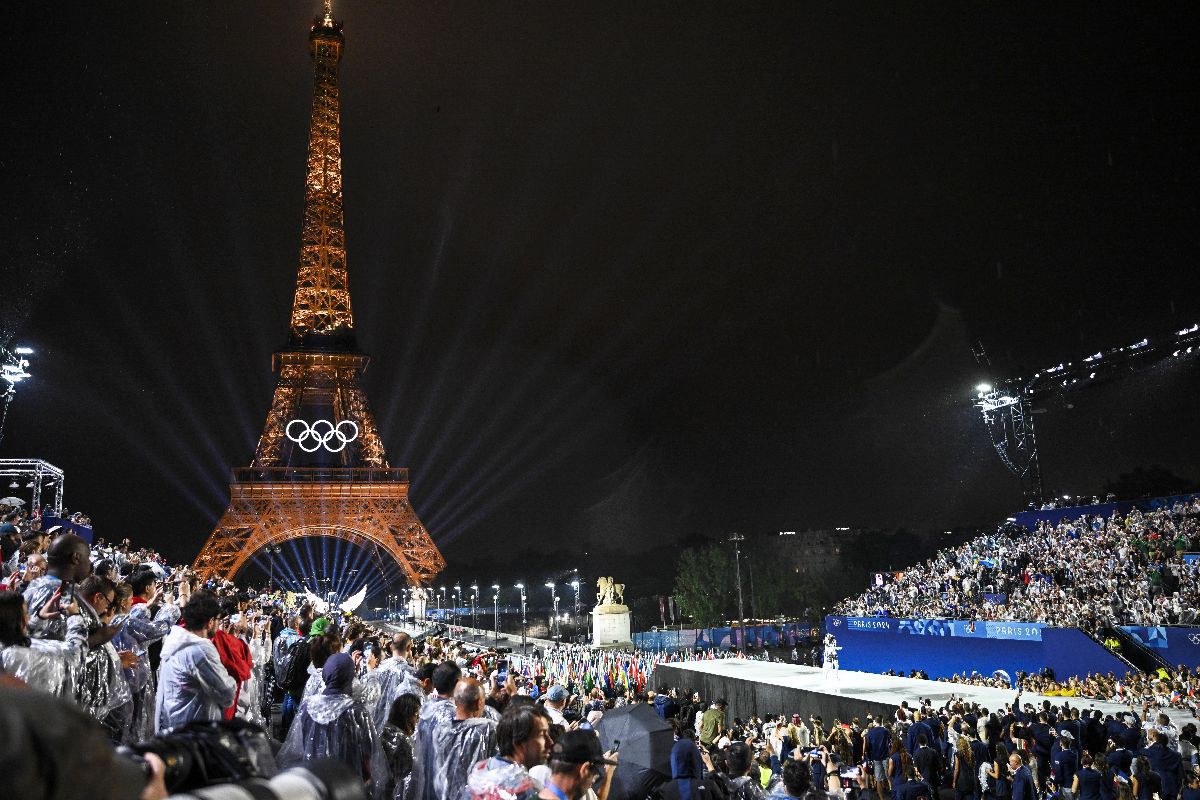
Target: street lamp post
457 603
496 607
272 551
554 620
474 599
440 593
575 586
524 626
737 539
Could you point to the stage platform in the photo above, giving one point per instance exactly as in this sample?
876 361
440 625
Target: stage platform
762 687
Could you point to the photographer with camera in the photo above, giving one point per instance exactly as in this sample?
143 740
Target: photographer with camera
192 682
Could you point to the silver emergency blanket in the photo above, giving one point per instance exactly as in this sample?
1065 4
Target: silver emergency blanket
49 665
140 629
437 712
457 748
337 726
384 684
499 779
397 746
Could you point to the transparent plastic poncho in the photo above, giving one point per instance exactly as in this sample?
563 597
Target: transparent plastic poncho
336 726
250 700
457 748
281 651
138 631
103 688
316 684
500 779
49 665
383 685
36 597
437 712
397 746
142 629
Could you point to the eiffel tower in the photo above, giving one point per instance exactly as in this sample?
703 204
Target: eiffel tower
320 468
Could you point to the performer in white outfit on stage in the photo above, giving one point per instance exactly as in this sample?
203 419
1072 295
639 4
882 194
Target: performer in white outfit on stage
830 659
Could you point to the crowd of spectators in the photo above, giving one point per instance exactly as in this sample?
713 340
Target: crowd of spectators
1175 688
1091 572
958 749
104 646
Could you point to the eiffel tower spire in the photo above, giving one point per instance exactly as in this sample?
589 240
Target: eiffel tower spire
321 315
320 467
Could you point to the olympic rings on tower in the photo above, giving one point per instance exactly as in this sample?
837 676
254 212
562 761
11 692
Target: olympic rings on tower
312 438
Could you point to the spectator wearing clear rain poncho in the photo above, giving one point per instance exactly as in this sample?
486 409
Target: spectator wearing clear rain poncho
334 725
394 677
469 739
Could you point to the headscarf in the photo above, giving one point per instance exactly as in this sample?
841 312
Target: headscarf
338 674
684 759
318 627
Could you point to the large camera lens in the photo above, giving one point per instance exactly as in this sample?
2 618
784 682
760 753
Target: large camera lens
178 756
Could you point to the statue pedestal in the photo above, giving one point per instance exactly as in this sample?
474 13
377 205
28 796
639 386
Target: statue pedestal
610 627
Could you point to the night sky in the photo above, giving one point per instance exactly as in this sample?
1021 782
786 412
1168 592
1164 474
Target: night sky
627 271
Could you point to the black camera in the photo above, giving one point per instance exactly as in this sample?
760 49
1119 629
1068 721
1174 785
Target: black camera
207 753
233 760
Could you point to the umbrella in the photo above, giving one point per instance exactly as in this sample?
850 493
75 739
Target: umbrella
645 752
1003 675
12 501
156 568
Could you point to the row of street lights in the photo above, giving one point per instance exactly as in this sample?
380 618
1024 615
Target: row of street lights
440 593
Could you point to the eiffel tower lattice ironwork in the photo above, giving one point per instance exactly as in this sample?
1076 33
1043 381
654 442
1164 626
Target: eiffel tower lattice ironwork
320 468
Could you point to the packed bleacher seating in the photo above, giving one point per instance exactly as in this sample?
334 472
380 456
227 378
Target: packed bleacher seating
1088 572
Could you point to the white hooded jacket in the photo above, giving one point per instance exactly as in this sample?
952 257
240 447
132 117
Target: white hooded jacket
192 682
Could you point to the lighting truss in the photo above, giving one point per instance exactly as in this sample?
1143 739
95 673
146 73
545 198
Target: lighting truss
1007 409
36 475
1008 416
13 370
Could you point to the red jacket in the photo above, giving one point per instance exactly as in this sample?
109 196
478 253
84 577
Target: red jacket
235 656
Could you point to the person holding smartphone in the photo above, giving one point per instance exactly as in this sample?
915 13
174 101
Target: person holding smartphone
67 561
48 664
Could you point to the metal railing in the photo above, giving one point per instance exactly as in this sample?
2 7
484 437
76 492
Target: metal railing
319 475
